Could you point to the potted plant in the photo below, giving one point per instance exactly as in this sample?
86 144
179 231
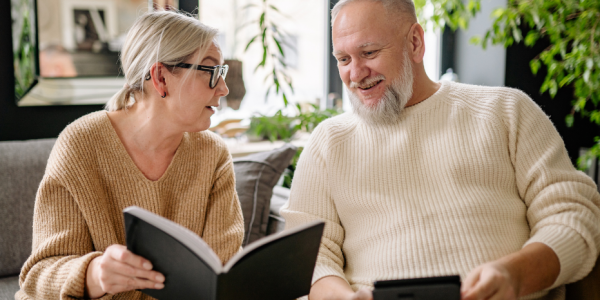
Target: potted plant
573 58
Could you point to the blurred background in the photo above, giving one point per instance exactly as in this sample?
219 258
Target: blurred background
61 61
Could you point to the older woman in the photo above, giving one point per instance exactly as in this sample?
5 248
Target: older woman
151 150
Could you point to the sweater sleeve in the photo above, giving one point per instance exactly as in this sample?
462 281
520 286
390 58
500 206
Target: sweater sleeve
562 203
310 200
62 247
224 228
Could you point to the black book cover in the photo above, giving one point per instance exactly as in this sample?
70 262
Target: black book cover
276 267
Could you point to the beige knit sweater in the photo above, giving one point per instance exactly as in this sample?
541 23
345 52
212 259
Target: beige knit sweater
467 176
90 178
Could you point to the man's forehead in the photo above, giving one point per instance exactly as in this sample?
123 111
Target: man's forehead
359 47
361 24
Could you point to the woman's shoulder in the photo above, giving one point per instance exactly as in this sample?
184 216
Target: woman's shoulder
208 142
85 127
76 144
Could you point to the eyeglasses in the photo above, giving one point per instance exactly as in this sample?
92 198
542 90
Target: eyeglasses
215 72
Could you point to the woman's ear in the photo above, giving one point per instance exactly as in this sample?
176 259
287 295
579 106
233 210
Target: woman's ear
157 72
416 42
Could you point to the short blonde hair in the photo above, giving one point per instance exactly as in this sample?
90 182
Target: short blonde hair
161 36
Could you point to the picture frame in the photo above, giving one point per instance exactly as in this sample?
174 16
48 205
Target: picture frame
80 23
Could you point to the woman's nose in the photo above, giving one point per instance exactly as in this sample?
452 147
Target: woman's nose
222 89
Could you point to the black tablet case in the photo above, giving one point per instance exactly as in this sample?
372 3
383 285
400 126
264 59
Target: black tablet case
431 288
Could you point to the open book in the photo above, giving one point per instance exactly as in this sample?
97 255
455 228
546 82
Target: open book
278 267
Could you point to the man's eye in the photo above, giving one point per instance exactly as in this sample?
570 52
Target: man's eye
370 53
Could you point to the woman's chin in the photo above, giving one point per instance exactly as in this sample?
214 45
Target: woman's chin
203 126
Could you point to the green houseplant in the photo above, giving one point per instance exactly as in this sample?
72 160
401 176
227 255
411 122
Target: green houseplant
24 45
271 39
573 29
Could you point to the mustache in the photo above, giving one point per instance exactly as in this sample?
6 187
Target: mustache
367 81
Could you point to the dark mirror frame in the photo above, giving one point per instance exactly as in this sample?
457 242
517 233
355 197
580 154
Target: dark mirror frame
34 51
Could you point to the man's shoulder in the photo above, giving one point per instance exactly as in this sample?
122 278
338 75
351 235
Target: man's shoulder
336 128
489 101
485 95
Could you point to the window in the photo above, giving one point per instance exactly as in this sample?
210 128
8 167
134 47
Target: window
304 25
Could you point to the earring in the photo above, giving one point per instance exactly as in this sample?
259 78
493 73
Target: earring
148 77
164 95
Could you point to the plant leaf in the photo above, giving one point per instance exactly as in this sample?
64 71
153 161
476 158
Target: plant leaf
279 47
250 42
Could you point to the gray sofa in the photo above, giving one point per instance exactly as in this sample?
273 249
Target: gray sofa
22 165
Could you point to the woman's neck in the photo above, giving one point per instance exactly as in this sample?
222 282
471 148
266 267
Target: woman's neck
145 128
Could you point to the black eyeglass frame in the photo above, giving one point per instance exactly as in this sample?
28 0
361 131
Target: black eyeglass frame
215 72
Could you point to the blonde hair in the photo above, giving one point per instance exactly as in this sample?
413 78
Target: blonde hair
160 36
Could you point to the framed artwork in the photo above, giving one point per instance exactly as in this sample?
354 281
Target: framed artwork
88 25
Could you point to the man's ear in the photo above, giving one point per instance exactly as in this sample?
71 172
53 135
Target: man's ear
416 43
157 72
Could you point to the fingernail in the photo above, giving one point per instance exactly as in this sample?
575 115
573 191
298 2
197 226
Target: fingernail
160 278
159 286
148 266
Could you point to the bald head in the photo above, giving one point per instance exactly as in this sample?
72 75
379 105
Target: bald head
403 9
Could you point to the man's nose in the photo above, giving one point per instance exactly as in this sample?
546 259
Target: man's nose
358 71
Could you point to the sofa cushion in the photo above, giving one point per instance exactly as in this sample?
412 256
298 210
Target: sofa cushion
22 166
9 287
255 177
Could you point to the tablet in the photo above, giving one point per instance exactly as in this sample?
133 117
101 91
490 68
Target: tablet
430 288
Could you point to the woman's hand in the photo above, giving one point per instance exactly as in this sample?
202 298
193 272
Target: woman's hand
491 281
118 270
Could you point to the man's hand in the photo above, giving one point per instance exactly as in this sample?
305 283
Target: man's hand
362 294
490 281
531 269
118 270
336 288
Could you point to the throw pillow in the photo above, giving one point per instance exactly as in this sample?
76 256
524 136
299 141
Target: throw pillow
255 177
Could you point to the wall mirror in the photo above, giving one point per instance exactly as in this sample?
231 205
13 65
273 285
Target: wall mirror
67 51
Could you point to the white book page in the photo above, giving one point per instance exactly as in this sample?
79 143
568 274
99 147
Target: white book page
187 237
263 241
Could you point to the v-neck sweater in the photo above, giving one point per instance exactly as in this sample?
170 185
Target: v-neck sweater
90 178
465 177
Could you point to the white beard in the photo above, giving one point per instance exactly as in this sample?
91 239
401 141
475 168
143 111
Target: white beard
387 110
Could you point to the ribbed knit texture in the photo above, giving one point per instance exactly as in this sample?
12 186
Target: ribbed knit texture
467 176
90 179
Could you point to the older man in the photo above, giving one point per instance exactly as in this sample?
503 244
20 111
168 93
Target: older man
428 179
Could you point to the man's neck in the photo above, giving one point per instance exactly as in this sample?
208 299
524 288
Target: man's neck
423 88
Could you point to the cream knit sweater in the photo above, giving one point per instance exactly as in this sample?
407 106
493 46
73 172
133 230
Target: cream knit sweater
90 178
467 176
